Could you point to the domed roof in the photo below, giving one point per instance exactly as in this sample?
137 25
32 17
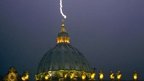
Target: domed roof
63 56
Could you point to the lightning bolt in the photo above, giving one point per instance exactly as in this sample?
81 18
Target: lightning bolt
61 9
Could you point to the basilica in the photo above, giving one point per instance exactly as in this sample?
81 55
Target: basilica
63 62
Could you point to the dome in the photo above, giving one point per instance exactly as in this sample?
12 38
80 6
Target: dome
63 60
63 57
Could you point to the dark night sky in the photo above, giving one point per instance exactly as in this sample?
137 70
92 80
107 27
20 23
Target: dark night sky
110 33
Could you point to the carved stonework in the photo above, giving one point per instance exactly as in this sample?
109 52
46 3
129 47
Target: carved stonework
12 75
25 76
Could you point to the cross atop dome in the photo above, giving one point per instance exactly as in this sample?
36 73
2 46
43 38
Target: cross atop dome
63 26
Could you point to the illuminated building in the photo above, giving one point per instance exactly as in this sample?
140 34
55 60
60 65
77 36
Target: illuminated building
64 62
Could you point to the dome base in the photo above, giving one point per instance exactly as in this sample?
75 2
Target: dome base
64 75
